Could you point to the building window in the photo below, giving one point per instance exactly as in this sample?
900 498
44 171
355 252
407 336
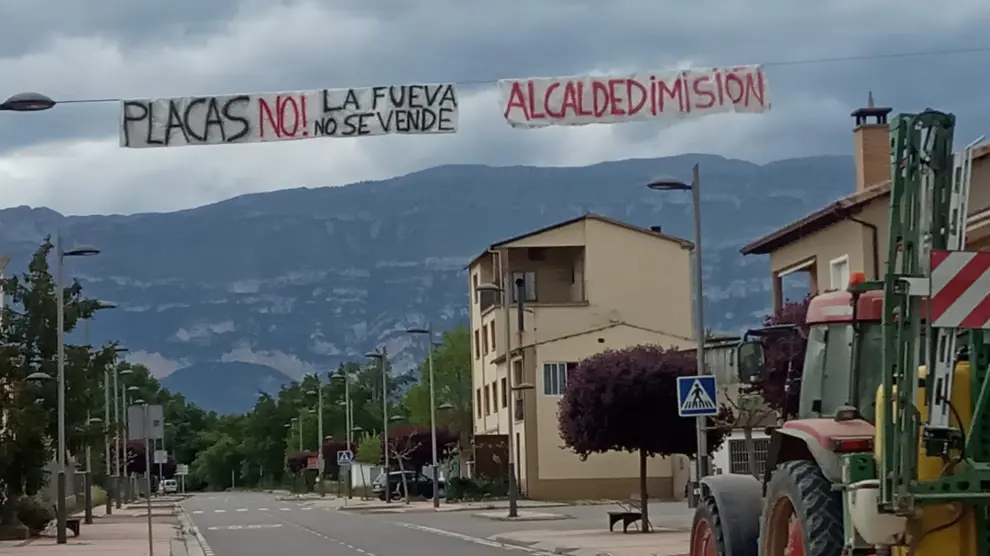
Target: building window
493 334
739 462
495 397
488 400
554 378
529 282
517 372
474 291
484 338
505 393
477 402
839 272
477 345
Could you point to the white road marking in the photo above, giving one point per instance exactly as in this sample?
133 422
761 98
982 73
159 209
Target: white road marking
285 509
207 551
219 511
262 509
475 540
199 512
242 509
305 509
243 527
325 537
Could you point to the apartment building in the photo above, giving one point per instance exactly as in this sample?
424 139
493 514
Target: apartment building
589 284
850 235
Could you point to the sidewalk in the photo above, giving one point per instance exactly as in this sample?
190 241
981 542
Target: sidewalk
125 533
378 506
595 542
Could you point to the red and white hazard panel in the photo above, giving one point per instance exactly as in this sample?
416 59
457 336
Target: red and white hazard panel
960 294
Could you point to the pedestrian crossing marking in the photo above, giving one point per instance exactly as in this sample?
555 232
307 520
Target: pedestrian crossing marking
696 396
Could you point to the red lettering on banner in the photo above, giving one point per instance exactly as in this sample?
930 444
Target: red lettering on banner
610 99
286 119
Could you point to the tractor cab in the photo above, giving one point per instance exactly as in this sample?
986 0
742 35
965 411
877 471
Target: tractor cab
841 340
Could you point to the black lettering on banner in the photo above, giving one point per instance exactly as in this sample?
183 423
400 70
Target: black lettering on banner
405 109
190 121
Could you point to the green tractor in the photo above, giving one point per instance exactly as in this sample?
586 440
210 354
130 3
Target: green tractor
883 457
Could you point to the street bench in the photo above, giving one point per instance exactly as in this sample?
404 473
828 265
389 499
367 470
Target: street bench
626 517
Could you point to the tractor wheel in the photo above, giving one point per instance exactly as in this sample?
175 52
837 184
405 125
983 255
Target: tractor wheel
706 532
802 515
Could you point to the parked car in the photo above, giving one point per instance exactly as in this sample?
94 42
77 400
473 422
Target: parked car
170 486
418 485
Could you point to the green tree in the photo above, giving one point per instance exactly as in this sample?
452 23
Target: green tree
29 346
369 449
452 372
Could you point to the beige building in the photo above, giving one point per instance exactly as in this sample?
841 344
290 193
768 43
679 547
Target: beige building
591 284
850 235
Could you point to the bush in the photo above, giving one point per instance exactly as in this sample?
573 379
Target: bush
99 496
35 514
460 488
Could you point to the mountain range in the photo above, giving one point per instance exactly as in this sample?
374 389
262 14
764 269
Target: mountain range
299 280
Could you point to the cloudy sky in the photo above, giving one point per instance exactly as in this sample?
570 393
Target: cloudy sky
68 158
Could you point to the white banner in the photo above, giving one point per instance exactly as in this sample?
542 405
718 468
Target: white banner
659 95
259 118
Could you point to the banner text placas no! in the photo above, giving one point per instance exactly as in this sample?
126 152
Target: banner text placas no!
259 118
659 95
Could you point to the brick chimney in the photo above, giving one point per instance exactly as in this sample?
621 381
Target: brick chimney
872 145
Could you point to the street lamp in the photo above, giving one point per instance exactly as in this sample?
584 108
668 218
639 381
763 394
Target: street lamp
27 102
107 417
381 356
667 184
88 477
319 430
38 376
348 419
131 486
118 429
60 255
520 295
428 331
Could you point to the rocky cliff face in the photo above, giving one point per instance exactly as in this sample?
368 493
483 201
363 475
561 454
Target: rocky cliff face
303 279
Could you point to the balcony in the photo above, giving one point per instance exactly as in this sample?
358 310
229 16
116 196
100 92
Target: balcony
549 276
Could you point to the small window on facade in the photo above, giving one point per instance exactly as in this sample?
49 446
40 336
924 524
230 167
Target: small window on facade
555 377
484 339
488 400
477 401
477 345
505 393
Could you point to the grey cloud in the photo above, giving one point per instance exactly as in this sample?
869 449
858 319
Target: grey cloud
70 50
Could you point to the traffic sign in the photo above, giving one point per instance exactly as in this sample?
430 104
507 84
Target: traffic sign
181 469
696 396
344 457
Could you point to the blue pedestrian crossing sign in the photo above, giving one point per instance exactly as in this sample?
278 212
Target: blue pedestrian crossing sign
344 457
696 396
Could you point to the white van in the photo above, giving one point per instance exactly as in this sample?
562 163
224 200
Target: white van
170 486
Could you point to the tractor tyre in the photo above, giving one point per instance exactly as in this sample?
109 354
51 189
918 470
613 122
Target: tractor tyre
802 515
707 536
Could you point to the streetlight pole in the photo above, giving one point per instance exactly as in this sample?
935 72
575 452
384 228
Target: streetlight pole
505 290
428 331
348 421
699 315
382 358
60 255
119 435
319 431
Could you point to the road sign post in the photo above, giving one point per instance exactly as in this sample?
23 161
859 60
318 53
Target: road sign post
697 396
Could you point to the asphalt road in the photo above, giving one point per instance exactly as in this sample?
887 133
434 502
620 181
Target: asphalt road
251 524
